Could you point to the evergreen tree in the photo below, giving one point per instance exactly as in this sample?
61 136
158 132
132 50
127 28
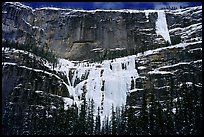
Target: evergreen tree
188 108
83 113
113 122
74 120
197 109
131 121
8 118
68 124
152 114
27 122
183 116
107 126
143 120
103 127
118 121
123 125
90 118
132 83
97 123
160 120
60 122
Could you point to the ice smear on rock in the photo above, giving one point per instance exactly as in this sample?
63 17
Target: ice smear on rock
161 26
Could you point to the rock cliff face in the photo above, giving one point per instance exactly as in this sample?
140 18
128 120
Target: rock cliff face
25 73
141 53
74 34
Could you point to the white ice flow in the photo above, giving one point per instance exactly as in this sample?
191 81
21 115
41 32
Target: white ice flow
161 26
107 83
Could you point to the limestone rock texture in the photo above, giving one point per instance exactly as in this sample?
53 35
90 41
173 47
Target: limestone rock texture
74 34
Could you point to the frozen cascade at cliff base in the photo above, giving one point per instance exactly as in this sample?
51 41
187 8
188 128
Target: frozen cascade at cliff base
161 26
107 83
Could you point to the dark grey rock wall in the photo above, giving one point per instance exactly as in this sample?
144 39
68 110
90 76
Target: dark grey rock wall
73 33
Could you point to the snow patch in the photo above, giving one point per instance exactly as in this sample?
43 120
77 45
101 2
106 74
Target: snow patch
180 45
38 91
156 71
142 67
135 90
8 63
64 65
20 5
174 65
67 102
174 110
